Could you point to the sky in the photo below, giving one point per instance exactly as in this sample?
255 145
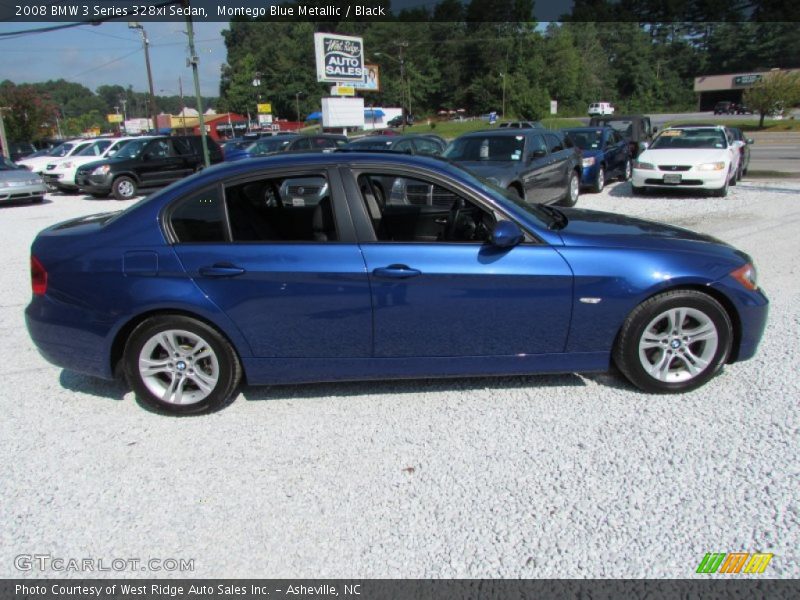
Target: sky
111 53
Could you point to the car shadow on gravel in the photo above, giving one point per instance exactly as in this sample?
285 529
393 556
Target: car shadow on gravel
93 386
407 386
13 203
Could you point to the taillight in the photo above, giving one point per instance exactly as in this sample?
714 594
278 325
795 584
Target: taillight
38 277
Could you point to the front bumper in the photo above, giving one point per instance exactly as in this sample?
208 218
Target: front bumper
22 192
63 180
693 178
589 175
94 184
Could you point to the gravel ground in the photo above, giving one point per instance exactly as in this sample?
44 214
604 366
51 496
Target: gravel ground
560 476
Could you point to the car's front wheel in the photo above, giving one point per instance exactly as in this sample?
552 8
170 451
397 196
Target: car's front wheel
627 171
674 342
181 365
123 188
723 191
599 180
573 190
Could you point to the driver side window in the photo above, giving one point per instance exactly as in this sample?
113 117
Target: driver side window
405 209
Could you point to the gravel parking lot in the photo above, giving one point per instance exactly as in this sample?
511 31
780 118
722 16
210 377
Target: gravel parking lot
558 476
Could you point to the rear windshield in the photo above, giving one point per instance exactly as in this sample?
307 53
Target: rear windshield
685 139
486 148
586 140
370 145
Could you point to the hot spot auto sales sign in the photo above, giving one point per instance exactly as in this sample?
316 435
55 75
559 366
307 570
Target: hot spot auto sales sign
340 58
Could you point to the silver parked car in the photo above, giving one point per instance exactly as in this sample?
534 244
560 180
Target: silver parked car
18 183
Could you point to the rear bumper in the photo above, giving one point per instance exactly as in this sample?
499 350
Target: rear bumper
60 334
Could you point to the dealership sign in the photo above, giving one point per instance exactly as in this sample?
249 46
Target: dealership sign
743 80
340 58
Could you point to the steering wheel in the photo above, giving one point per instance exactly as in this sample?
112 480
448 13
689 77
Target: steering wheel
452 219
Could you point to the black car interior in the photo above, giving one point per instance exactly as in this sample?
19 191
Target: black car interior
401 211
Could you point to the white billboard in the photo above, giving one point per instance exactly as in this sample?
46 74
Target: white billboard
340 58
343 112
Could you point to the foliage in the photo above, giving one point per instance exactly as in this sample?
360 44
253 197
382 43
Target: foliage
26 113
774 91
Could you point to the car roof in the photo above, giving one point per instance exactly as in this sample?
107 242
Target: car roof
696 125
589 128
507 132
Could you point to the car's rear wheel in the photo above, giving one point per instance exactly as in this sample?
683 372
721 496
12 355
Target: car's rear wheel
674 342
181 365
599 180
573 190
123 188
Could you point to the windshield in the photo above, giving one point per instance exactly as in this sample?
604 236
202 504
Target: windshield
685 139
132 149
7 165
61 150
95 149
235 145
623 126
586 139
267 146
499 148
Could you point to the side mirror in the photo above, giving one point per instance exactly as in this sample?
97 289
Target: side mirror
506 234
749 141
537 154
655 129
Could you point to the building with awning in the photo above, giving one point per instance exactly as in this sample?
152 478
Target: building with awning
730 87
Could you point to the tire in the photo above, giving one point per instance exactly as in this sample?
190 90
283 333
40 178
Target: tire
674 342
573 190
734 180
723 191
173 345
599 180
123 188
627 170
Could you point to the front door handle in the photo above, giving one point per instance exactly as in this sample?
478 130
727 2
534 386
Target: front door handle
221 270
396 272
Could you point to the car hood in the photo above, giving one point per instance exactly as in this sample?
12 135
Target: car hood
38 163
19 175
687 156
591 152
595 228
503 172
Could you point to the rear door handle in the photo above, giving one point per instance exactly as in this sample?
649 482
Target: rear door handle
221 270
396 272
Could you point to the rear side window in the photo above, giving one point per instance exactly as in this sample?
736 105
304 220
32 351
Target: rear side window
426 146
183 146
553 143
198 218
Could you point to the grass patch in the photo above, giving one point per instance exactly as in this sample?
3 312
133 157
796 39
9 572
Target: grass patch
770 125
453 129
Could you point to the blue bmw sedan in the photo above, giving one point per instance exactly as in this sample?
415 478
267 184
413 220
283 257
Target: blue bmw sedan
347 266
605 155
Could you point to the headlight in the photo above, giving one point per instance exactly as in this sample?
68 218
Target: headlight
67 165
715 166
588 162
746 275
644 165
101 170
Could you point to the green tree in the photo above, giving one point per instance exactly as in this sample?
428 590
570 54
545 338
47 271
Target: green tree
773 91
29 115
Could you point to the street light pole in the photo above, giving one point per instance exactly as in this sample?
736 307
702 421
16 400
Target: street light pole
146 44
194 59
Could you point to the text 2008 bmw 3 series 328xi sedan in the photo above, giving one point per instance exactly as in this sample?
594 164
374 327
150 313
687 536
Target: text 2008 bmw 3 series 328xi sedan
352 266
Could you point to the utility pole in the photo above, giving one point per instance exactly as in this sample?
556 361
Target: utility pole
297 104
402 45
3 140
146 44
194 59
183 105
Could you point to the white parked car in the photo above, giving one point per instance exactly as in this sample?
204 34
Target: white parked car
598 109
60 173
38 164
689 157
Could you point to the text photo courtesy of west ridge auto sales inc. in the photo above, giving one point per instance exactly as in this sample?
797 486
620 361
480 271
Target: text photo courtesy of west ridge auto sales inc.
451 299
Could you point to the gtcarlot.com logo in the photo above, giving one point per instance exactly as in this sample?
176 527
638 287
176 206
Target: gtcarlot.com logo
48 562
734 562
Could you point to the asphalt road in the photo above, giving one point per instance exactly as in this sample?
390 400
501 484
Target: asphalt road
565 476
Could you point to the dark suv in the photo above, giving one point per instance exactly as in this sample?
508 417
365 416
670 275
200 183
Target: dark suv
536 165
148 162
